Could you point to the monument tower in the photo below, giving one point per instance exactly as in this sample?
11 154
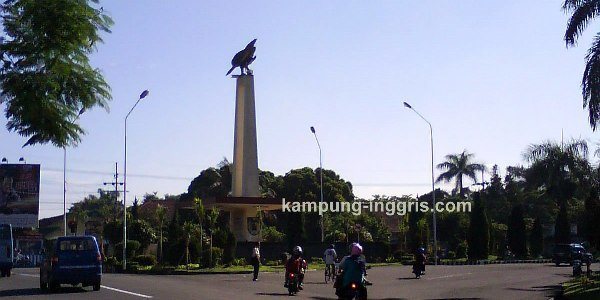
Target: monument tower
245 201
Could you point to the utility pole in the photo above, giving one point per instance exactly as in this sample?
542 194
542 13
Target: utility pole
116 184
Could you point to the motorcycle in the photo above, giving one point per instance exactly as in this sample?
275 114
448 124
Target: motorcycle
355 290
293 284
577 270
418 270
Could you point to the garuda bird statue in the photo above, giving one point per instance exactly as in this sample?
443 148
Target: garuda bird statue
243 59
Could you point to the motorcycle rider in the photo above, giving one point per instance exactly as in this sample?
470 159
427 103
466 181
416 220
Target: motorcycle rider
296 264
353 270
420 259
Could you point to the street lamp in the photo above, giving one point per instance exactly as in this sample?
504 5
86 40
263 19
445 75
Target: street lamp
81 111
432 183
142 96
312 129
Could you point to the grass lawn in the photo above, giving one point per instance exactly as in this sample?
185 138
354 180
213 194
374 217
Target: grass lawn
583 288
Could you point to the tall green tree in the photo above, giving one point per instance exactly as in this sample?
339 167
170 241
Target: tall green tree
536 238
456 167
517 234
46 79
562 172
582 13
161 215
562 227
479 231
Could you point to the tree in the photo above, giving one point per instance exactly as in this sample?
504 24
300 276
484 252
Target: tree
161 214
456 167
212 217
200 213
479 232
190 229
561 171
562 228
134 209
582 13
517 236
536 238
46 77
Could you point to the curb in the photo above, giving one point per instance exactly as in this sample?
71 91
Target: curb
493 262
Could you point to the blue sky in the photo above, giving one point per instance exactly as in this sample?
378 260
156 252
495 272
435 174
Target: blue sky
491 76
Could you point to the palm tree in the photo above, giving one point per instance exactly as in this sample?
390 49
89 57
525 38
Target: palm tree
161 214
190 230
199 208
557 167
582 12
213 215
560 171
458 165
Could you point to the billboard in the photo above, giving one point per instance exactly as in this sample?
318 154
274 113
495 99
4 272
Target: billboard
19 194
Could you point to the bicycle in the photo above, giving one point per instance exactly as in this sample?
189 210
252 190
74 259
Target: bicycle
330 273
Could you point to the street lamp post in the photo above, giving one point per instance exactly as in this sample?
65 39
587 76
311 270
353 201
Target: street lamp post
312 129
81 111
435 255
142 96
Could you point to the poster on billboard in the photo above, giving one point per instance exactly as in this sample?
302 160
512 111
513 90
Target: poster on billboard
19 194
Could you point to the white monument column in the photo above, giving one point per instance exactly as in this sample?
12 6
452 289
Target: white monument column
245 157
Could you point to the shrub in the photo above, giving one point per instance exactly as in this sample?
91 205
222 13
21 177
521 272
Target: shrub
239 262
316 260
145 260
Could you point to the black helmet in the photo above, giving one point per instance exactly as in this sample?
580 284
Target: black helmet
297 250
331 246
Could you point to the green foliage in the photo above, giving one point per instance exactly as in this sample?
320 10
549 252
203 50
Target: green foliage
142 232
145 260
582 14
562 227
517 236
479 234
270 234
536 239
132 249
46 77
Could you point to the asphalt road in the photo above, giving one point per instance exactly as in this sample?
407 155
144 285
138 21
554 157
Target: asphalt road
513 281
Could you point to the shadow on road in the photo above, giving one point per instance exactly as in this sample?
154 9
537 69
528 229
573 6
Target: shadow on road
36 291
325 298
317 282
407 278
551 290
272 294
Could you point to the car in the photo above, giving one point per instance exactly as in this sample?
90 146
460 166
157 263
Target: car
72 260
566 253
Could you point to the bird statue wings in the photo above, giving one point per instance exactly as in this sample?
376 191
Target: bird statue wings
243 59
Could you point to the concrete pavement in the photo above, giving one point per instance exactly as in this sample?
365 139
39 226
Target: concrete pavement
511 281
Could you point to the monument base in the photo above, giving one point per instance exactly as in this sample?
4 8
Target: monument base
243 214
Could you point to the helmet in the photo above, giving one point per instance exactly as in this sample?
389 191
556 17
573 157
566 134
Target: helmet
356 249
297 250
421 250
331 246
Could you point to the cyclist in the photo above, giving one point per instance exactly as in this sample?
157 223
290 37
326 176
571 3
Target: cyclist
329 256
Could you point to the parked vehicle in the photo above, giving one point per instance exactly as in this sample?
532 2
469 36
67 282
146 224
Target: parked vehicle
566 253
6 250
72 260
